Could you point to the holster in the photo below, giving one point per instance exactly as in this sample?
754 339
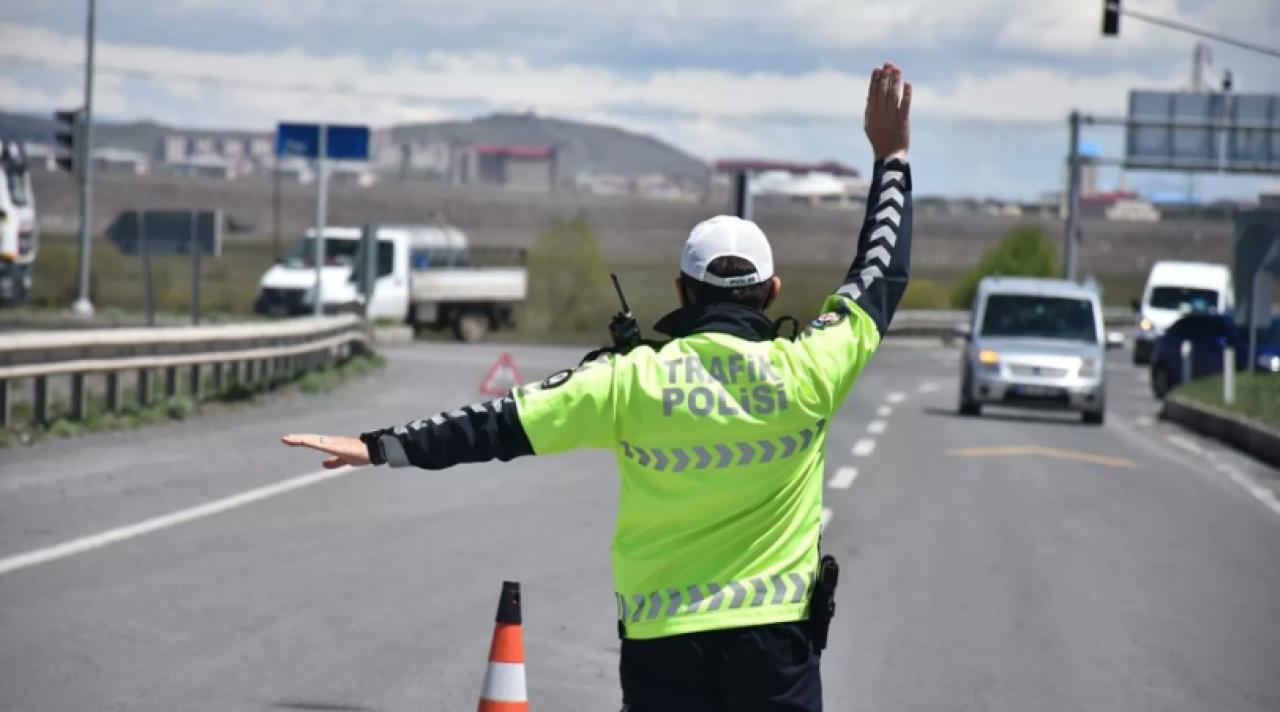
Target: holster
822 607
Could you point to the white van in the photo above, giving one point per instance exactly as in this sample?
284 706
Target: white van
1174 289
288 287
427 276
18 232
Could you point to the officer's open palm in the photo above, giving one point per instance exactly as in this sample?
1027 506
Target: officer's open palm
341 449
887 118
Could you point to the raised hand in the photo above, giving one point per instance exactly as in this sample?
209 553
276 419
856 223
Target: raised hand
341 449
887 118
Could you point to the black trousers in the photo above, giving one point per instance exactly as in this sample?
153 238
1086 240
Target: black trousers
768 668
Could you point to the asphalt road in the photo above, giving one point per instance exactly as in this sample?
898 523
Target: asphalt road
1013 562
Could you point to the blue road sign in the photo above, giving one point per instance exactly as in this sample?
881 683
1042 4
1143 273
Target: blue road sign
341 142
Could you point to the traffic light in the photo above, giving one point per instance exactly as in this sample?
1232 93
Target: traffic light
1110 18
67 136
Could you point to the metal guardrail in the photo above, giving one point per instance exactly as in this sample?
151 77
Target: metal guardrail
252 354
940 322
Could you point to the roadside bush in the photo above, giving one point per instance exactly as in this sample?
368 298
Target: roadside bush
54 276
924 293
568 280
1024 252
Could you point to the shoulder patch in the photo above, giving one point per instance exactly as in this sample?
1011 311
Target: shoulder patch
828 319
557 379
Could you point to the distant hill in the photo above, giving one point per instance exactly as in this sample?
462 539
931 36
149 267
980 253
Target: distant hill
583 148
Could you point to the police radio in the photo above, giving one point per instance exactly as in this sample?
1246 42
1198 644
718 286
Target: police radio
623 328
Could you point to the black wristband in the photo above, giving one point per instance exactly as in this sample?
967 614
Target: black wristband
373 443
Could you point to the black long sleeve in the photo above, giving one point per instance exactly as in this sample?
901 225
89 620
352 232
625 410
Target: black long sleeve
475 433
878 276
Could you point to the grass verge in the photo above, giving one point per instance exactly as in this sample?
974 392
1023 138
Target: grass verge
1257 396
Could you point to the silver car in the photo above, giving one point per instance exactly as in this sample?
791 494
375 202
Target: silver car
1036 343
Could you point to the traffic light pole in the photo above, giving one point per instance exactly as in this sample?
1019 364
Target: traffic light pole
83 306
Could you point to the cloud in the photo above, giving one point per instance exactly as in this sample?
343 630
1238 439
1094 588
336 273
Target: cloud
717 77
258 87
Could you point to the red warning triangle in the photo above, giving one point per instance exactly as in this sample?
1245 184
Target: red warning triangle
502 377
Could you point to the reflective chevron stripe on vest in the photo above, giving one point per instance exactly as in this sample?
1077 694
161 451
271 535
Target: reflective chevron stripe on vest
756 592
722 455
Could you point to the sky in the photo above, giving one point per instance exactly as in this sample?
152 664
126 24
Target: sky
994 79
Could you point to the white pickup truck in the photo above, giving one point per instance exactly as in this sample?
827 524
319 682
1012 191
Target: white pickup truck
17 225
426 276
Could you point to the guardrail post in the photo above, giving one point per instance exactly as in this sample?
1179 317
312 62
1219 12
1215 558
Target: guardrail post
171 382
113 392
194 382
1228 375
78 397
217 377
5 403
40 401
144 388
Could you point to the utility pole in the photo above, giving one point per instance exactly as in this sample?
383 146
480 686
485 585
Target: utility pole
1073 201
83 306
322 199
1201 57
275 209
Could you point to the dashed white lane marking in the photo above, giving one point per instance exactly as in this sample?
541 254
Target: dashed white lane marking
877 427
884 411
843 478
928 387
1146 421
896 397
112 536
1185 444
864 447
826 519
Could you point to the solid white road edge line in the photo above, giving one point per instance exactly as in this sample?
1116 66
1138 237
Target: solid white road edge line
1260 493
843 478
112 536
884 411
1185 444
826 519
864 447
877 427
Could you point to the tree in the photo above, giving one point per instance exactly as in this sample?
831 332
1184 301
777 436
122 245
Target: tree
568 279
1024 252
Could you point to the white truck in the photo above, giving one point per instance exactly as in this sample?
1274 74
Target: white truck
18 231
1174 289
427 276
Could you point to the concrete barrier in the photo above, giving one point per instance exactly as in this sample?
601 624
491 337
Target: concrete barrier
1244 434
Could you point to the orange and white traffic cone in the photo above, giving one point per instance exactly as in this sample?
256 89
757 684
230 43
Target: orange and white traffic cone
504 687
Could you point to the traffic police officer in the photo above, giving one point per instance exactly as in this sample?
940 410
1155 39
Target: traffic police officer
719 436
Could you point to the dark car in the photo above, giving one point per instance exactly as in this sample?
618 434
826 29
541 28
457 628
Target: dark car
1207 335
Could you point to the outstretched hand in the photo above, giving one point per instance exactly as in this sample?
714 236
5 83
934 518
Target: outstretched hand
342 450
887 118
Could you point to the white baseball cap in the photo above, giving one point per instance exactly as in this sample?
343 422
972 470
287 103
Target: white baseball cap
727 236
